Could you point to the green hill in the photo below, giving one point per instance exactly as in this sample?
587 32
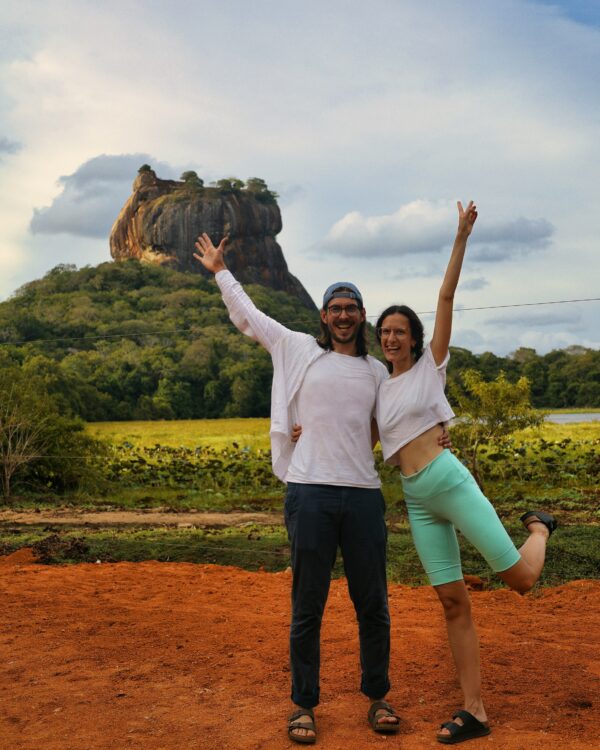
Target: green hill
127 340
134 341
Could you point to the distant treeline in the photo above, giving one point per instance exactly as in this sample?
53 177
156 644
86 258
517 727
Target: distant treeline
124 341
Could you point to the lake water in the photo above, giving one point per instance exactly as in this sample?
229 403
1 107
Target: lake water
570 418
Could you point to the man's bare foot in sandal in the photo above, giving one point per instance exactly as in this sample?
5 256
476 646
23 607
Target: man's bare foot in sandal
301 726
383 718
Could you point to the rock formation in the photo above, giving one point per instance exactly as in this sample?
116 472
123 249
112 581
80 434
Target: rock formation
161 220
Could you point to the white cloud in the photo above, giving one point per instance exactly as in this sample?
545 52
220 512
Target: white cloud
93 195
422 227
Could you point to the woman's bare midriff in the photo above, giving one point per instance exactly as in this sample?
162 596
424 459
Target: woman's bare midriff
420 451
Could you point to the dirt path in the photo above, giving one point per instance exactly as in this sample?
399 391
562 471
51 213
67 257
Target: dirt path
69 517
180 657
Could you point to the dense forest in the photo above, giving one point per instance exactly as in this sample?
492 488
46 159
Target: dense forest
124 341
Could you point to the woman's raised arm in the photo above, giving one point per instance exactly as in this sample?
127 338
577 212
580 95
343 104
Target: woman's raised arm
443 316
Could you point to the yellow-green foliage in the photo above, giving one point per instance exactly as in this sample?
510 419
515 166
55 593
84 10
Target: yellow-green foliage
550 431
254 433
489 412
190 433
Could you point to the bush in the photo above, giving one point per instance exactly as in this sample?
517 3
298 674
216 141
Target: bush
489 412
40 448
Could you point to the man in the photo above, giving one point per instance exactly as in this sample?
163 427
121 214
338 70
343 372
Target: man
333 496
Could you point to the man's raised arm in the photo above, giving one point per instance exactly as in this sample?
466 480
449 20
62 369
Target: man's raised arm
243 312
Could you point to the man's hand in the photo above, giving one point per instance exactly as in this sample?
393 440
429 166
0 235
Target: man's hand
296 432
210 256
444 439
466 218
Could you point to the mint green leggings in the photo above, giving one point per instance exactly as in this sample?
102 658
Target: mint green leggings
443 496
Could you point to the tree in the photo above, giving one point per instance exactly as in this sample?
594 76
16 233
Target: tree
23 433
38 446
229 185
224 186
489 412
258 188
145 168
192 181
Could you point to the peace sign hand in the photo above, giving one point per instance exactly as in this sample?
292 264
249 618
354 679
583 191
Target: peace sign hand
210 256
466 218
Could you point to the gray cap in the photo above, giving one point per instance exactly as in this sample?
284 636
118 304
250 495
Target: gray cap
342 289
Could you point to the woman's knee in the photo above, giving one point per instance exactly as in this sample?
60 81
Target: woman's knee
454 599
521 580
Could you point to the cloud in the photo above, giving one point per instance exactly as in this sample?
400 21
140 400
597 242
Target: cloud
433 269
559 320
473 284
93 195
416 227
9 147
503 240
421 227
467 339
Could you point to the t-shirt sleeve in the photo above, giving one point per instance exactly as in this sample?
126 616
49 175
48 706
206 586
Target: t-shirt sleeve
430 362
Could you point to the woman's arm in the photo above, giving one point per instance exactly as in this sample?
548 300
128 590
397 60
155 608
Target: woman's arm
443 316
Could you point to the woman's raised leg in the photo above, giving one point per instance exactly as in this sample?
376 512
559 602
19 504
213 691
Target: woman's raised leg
524 574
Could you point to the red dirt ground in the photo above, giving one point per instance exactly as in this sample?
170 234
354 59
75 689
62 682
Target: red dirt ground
165 656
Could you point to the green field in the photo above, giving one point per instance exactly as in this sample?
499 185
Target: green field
224 465
190 433
254 433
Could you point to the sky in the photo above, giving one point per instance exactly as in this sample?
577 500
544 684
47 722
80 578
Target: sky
369 120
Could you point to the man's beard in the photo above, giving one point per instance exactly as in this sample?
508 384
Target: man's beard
348 340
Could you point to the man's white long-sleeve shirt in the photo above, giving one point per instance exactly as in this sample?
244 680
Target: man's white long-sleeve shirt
331 395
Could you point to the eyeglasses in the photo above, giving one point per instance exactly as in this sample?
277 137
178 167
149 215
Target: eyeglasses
339 309
384 333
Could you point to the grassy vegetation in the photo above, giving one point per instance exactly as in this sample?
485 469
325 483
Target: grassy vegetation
224 465
573 553
574 410
576 431
189 433
254 433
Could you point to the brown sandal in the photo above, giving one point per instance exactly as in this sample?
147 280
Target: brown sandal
375 721
293 724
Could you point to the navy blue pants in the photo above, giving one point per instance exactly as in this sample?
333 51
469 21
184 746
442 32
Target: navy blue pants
319 519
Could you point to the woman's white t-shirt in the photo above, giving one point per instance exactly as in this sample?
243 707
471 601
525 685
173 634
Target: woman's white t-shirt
411 403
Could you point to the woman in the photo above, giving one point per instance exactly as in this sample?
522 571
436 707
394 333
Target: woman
440 493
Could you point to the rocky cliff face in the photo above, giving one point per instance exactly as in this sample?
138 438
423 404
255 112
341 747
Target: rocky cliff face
161 220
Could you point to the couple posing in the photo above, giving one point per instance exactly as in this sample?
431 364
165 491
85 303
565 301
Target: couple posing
345 401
